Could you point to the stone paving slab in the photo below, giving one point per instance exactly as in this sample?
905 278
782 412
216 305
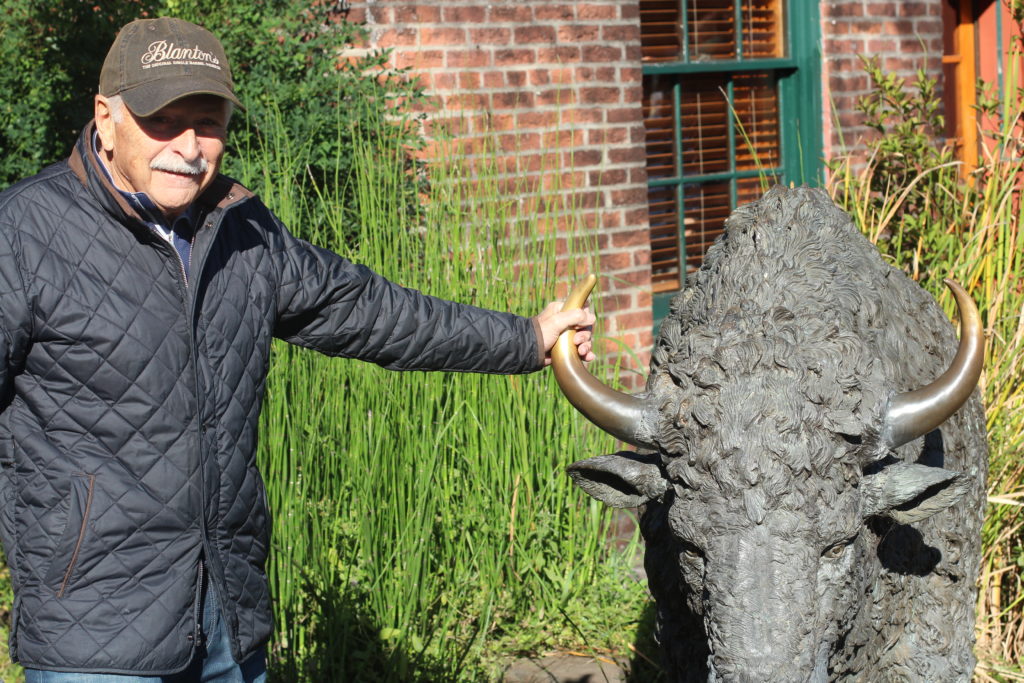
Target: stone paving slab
564 668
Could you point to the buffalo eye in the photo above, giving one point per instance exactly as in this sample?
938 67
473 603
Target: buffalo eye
836 550
691 551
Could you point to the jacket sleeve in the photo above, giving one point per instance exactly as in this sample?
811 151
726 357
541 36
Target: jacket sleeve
15 318
327 303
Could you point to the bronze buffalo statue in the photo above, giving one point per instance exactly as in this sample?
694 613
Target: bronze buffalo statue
812 459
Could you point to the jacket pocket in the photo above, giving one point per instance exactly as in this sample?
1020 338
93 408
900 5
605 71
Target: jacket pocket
66 554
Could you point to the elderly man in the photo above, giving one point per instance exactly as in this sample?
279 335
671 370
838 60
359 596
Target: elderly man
139 292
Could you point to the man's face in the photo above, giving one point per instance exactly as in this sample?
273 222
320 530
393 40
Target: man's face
171 155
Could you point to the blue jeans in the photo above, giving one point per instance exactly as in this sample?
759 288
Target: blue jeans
212 664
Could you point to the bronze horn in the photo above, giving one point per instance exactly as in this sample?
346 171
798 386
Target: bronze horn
619 414
916 413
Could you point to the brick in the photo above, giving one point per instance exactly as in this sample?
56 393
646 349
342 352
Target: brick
564 181
847 9
444 80
419 59
551 12
584 115
469 80
494 79
560 54
584 157
611 176
517 141
524 35
356 15
468 58
394 37
624 115
465 15
560 97
382 16
508 57
537 119
630 321
611 220
915 9
513 99
616 261
496 122
515 14
881 9
622 33
600 95
601 53
468 100
540 76
416 14
516 78
631 238
442 36
597 12
629 10
490 36
636 195
578 33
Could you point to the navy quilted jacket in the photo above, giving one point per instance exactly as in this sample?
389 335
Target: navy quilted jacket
130 401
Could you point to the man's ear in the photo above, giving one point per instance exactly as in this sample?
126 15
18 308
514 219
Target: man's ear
104 122
909 493
622 480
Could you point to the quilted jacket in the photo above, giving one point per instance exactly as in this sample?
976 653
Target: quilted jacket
130 400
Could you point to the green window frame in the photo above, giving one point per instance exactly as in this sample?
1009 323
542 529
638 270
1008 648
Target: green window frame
703 67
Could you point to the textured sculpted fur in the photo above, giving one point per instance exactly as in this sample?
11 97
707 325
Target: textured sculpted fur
777 549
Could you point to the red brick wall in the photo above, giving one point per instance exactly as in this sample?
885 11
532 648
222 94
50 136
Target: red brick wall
560 84
903 35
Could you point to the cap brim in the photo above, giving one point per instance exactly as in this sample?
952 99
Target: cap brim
148 98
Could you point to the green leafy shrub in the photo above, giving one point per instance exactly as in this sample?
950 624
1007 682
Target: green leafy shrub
910 179
51 52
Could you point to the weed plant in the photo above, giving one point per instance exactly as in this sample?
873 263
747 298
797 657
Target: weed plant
424 527
927 218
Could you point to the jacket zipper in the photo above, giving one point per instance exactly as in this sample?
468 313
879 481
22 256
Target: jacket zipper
196 636
193 317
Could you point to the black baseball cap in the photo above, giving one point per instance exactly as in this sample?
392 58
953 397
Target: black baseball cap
156 61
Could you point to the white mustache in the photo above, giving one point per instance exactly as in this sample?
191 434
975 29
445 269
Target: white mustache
175 164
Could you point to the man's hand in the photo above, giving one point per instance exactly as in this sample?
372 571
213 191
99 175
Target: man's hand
553 321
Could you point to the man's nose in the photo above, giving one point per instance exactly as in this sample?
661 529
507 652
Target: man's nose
187 144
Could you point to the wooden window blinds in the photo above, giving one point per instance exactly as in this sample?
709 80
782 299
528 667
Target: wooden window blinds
711 109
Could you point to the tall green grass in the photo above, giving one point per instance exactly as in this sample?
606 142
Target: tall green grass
424 529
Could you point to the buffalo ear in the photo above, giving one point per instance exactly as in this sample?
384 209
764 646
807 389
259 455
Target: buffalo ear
621 480
909 493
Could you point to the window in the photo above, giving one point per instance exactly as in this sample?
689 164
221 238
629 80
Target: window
732 100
